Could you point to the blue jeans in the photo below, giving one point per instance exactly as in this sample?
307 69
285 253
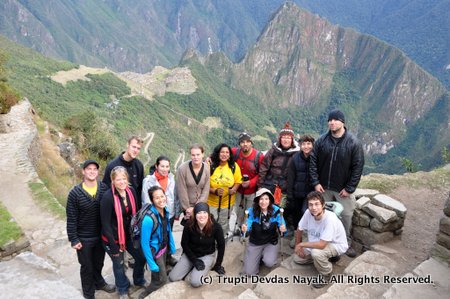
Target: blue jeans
122 281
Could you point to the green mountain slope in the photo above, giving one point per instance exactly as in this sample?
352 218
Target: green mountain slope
137 35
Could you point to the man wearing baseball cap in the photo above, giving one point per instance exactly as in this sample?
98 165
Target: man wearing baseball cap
83 229
336 166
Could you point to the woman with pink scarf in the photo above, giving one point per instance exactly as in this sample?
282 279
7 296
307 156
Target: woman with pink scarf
117 206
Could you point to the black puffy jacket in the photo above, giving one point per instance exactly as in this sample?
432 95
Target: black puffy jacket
337 163
298 181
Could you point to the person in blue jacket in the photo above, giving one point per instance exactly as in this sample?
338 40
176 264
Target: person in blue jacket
264 224
157 245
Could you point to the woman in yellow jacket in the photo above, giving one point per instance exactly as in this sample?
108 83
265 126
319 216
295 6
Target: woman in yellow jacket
224 181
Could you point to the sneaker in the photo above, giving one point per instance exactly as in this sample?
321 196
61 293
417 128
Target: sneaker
109 288
323 281
303 261
334 259
351 252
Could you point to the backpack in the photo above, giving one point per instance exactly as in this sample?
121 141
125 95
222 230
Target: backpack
136 224
334 207
255 161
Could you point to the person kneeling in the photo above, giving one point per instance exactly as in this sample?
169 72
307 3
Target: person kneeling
157 244
200 237
264 221
326 238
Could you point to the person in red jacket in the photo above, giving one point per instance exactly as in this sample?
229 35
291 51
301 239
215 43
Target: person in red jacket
248 160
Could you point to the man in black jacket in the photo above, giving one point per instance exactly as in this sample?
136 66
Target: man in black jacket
83 229
336 167
133 166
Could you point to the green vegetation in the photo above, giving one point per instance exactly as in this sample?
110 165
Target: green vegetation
46 199
8 97
10 230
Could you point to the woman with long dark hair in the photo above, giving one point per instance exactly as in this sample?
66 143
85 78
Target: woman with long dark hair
201 236
156 239
117 206
225 180
264 223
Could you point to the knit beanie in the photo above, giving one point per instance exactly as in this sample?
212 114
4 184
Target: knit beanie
337 115
201 206
287 130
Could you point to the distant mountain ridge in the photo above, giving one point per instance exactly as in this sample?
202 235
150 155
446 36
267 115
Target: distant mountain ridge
301 67
140 34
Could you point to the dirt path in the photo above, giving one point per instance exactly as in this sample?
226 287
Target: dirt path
46 233
148 140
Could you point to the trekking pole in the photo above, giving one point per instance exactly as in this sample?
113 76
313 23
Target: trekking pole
245 222
218 210
237 216
281 234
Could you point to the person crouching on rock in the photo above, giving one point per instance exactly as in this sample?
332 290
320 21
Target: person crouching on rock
117 207
326 238
201 236
157 244
264 221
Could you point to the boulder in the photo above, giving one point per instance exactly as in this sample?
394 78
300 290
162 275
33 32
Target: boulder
360 218
444 225
368 237
390 204
378 226
443 239
440 253
360 203
365 192
447 206
382 214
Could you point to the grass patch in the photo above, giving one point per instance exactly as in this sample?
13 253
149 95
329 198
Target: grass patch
436 179
10 230
46 199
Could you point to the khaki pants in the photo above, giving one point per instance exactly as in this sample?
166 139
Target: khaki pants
349 204
320 259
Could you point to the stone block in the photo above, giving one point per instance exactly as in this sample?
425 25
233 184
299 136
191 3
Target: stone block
369 237
443 239
248 294
440 253
371 263
360 218
360 203
365 193
390 204
447 206
378 226
382 214
444 225
438 271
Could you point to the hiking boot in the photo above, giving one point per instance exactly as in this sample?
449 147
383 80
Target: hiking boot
350 252
109 288
171 261
334 259
324 280
237 232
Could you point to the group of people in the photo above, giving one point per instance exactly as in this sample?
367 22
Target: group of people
283 189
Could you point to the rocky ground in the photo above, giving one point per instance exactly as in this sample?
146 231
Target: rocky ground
54 266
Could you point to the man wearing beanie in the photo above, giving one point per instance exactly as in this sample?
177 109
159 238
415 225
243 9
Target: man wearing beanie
273 170
249 160
336 167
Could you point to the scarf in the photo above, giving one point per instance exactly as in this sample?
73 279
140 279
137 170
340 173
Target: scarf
162 180
118 210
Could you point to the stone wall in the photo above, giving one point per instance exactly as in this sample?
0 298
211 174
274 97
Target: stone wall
13 248
377 219
441 249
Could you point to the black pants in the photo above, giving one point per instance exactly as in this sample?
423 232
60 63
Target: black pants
294 211
91 257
